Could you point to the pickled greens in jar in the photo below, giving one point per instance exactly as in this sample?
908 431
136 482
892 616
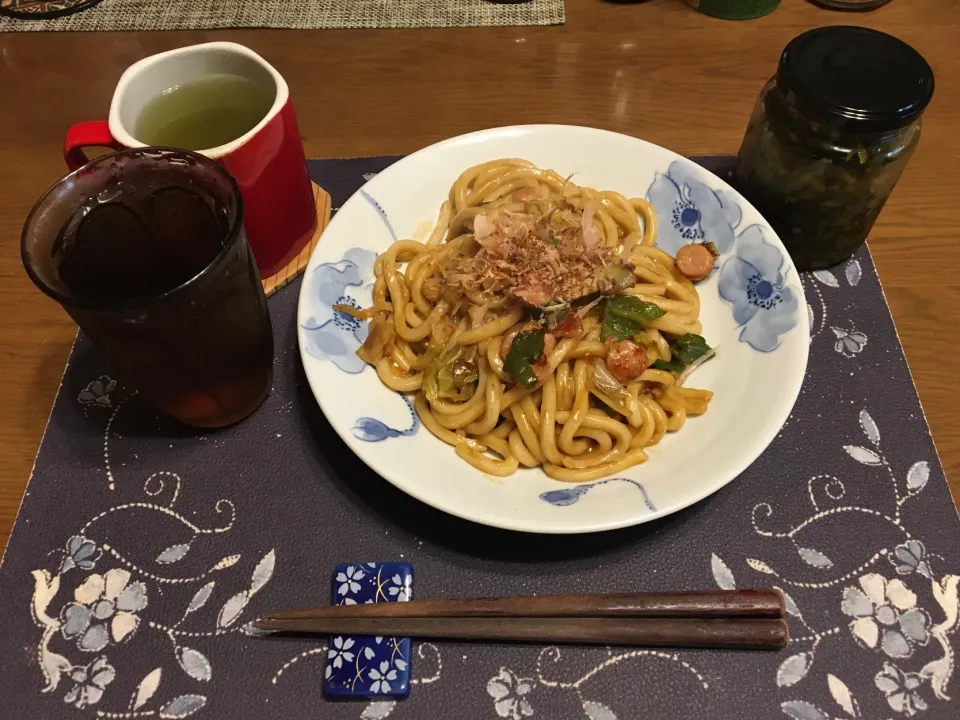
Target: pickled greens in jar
830 136
820 189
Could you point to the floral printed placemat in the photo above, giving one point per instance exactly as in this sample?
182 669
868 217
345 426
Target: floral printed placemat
143 549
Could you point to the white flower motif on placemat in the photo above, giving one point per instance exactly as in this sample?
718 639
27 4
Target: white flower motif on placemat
81 553
882 614
97 392
911 558
511 692
902 689
849 342
89 682
508 693
886 611
103 599
100 610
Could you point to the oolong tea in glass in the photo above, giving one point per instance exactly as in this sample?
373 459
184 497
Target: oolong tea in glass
145 250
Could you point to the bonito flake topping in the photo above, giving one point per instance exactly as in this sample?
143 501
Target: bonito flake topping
546 255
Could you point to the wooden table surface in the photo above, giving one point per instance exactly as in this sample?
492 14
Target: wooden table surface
657 70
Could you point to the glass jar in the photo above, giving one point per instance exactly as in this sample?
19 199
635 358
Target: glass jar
830 136
735 9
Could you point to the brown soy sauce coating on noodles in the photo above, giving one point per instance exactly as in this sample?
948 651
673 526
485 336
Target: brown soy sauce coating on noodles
538 325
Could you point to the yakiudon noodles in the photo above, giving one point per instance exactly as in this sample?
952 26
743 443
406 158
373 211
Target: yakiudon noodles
538 325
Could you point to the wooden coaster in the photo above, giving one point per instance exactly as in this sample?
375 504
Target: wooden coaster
296 266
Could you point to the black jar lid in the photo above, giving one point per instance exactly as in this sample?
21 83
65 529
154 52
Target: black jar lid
874 80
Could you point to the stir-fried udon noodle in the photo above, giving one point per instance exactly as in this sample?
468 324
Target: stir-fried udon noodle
538 325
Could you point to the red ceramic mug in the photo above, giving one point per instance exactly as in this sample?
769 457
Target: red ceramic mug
267 162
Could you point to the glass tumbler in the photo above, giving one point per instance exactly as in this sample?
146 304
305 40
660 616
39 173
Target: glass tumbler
145 250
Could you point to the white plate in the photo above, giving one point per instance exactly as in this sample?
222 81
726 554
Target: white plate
753 308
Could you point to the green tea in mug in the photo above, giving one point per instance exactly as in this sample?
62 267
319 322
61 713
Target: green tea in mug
204 113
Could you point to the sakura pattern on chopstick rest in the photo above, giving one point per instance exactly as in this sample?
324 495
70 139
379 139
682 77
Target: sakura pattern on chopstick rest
364 666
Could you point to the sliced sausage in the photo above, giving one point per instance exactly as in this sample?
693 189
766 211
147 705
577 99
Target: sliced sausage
507 343
694 261
626 360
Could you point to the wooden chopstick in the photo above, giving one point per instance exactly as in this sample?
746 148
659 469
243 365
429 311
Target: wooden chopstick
742 634
717 604
744 619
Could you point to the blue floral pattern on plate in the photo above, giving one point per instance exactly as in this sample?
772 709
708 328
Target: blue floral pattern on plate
381 212
691 211
370 429
570 495
336 336
333 335
362 666
752 281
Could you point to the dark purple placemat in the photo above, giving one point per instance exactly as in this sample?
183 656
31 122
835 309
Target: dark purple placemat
142 549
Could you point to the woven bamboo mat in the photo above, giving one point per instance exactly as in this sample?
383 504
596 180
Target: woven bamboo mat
112 15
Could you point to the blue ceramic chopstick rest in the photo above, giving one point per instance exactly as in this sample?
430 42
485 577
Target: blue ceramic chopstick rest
363 666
